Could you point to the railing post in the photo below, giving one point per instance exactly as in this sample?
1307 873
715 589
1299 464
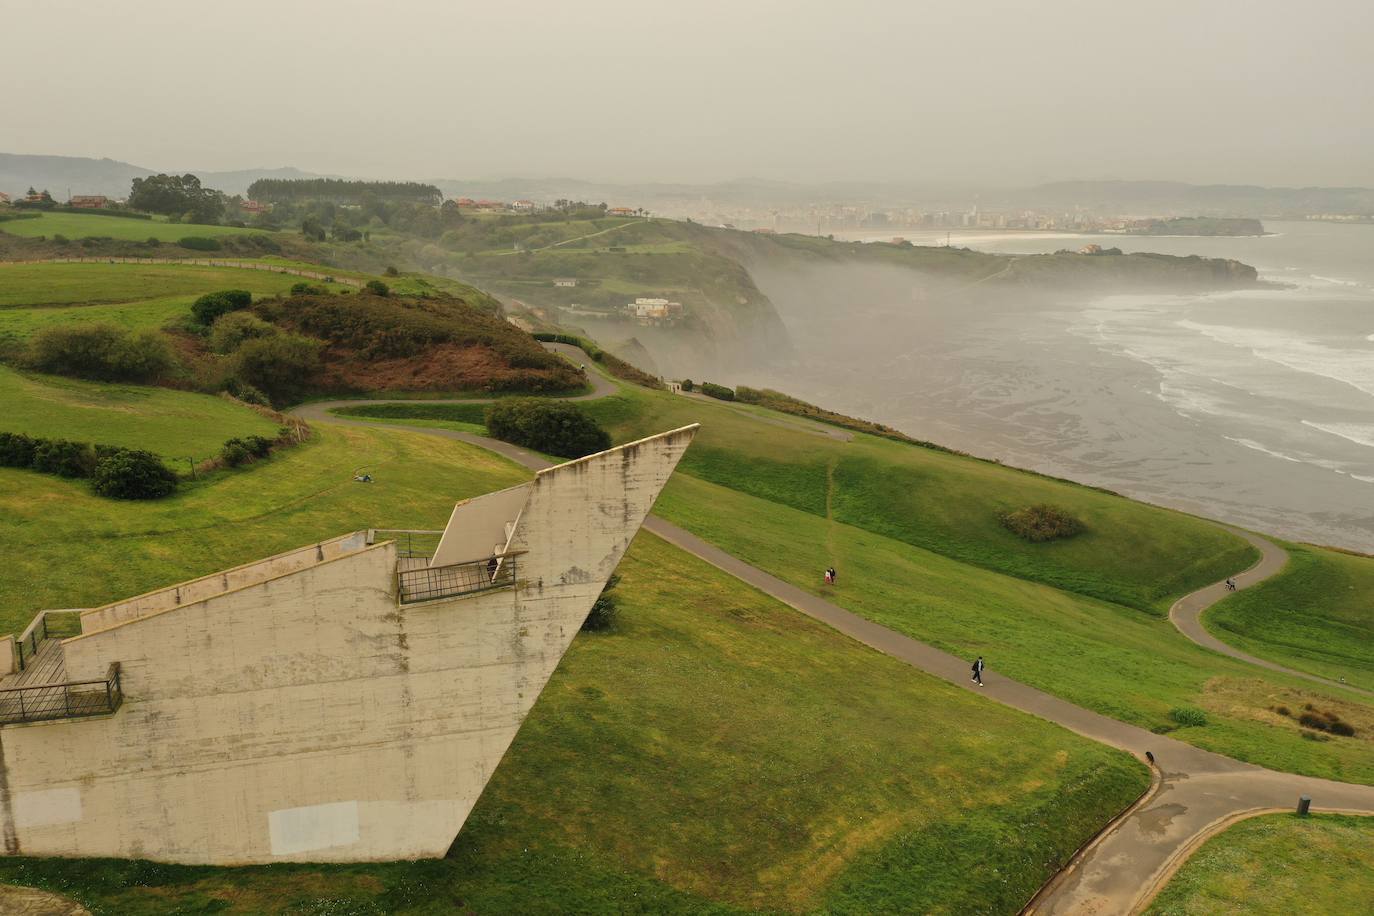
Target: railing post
67 701
23 716
109 695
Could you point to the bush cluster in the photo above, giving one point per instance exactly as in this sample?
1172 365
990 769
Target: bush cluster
118 473
553 427
212 305
719 392
101 351
1322 720
377 288
1188 716
281 366
230 330
199 243
240 451
308 289
1041 523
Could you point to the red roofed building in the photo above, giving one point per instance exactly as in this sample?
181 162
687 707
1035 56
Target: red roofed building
252 206
88 201
466 202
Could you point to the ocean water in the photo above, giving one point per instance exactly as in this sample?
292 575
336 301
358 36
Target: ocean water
1253 406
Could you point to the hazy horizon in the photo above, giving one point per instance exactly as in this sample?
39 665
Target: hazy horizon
992 93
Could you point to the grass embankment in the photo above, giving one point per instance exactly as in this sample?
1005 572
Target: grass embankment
173 424
1316 615
1277 865
85 225
133 296
916 536
67 548
716 751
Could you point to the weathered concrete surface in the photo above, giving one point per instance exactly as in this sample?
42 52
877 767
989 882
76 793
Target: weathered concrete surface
299 713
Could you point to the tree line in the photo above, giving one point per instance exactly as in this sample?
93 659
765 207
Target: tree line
341 191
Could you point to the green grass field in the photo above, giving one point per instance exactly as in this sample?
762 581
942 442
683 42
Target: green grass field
1277 865
1315 616
134 296
716 751
174 424
1131 553
83 225
882 513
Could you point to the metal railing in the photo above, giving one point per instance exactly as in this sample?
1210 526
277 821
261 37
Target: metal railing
426 583
410 542
70 700
26 646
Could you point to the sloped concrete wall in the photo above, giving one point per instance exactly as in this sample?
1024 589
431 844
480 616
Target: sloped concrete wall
312 718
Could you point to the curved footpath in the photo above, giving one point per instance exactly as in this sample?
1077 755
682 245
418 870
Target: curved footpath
1186 614
1196 791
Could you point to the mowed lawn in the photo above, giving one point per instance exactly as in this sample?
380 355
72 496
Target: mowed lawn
83 225
1123 661
68 548
1119 661
1277 865
1317 615
173 424
1131 553
714 752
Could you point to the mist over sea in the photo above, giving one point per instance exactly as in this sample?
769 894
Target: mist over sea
1255 407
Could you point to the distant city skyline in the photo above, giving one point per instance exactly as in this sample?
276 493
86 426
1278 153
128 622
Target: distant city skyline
995 92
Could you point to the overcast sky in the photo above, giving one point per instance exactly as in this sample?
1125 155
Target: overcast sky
991 91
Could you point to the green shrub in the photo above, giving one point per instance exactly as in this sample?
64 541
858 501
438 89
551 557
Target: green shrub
60 239
281 366
63 458
1188 716
719 392
199 243
101 351
133 474
307 289
687 384
16 450
235 452
391 271
602 615
212 305
230 330
141 356
246 393
553 427
1041 523
377 288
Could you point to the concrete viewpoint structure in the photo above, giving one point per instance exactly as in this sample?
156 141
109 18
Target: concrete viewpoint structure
343 702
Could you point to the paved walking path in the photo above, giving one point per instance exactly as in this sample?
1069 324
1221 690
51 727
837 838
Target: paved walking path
30 901
1197 790
1186 614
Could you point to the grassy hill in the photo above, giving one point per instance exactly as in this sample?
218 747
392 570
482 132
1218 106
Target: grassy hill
716 752
35 296
174 424
1315 616
916 536
1276 865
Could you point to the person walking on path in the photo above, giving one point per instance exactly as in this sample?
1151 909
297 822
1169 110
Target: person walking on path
978 672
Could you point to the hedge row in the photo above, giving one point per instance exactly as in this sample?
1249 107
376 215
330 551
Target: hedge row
614 364
119 473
